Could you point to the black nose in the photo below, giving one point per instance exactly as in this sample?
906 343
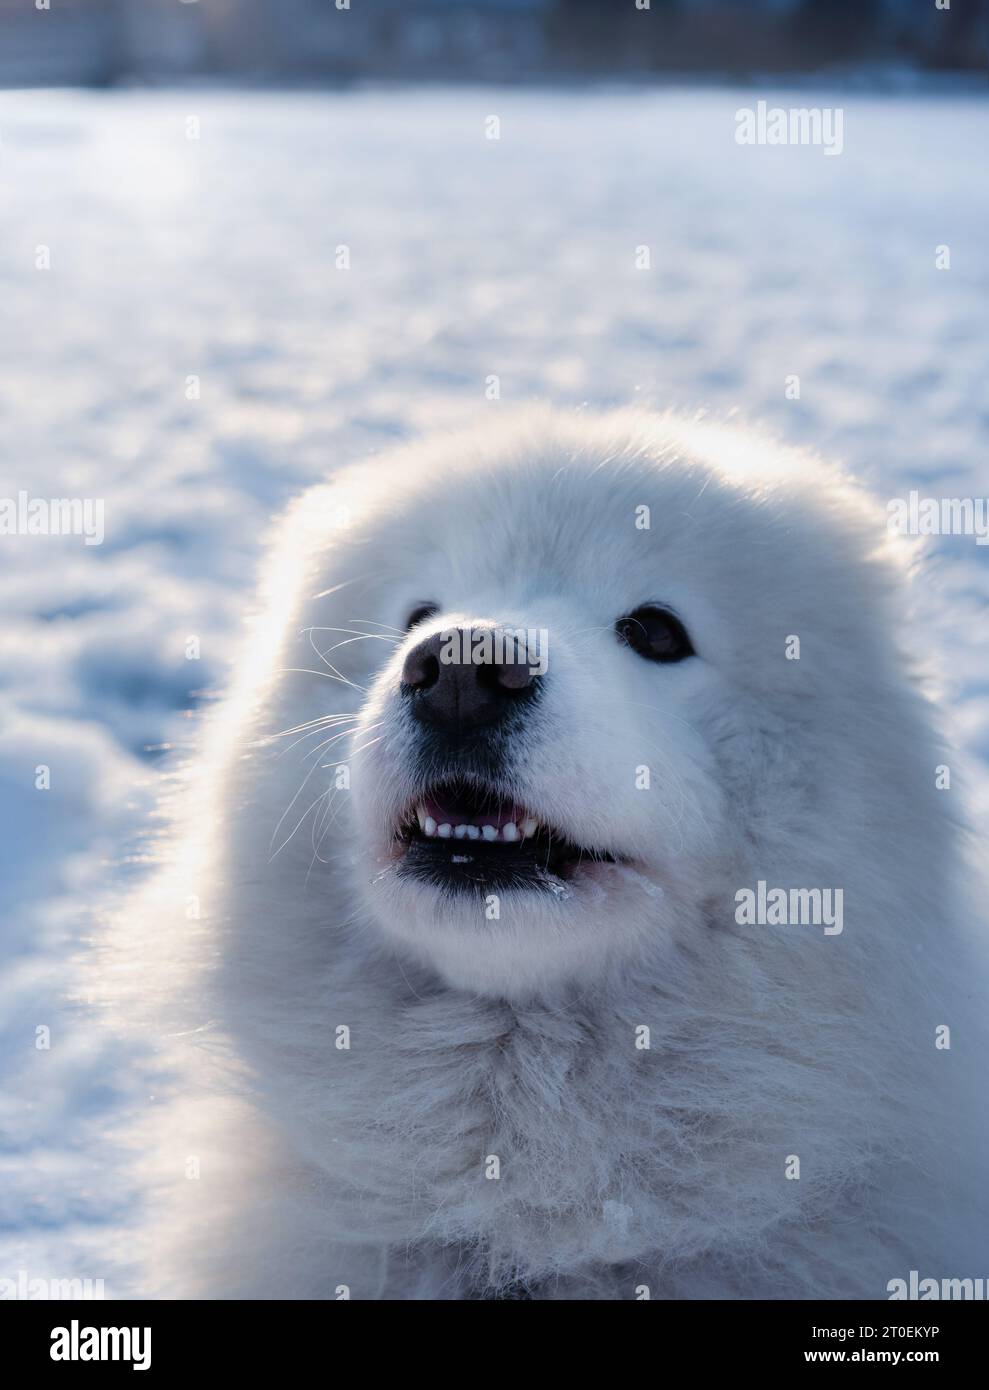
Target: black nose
464 678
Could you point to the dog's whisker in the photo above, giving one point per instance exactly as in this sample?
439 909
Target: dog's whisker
358 637
347 733
331 819
354 635
310 723
369 622
288 808
331 675
340 726
371 744
300 822
314 753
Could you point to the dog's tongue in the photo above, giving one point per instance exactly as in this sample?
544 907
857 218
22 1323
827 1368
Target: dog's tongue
458 812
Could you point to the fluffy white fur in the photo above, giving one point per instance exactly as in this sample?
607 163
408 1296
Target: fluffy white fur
277 916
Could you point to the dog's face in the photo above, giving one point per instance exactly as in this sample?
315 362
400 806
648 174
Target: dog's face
563 763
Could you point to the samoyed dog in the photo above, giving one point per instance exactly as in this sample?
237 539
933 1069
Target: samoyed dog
565 901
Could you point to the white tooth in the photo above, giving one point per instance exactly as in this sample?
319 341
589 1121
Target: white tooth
429 825
421 816
489 832
473 832
444 831
510 832
460 831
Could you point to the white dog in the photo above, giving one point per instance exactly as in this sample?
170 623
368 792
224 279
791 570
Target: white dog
564 903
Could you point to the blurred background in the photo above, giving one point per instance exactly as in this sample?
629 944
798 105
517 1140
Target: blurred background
243 242
101 41
341 41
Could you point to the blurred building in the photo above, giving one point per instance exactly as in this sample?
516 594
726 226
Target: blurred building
102 41
420 38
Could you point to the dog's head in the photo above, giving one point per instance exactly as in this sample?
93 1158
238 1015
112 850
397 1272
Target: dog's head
620 666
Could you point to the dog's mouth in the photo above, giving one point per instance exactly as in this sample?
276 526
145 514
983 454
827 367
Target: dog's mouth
469 837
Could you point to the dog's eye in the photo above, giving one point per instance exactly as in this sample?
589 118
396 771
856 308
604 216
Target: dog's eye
420 615
655 633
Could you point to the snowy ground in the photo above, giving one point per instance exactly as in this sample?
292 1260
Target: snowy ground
214 258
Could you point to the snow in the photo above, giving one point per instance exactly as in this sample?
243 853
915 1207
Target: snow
215 258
